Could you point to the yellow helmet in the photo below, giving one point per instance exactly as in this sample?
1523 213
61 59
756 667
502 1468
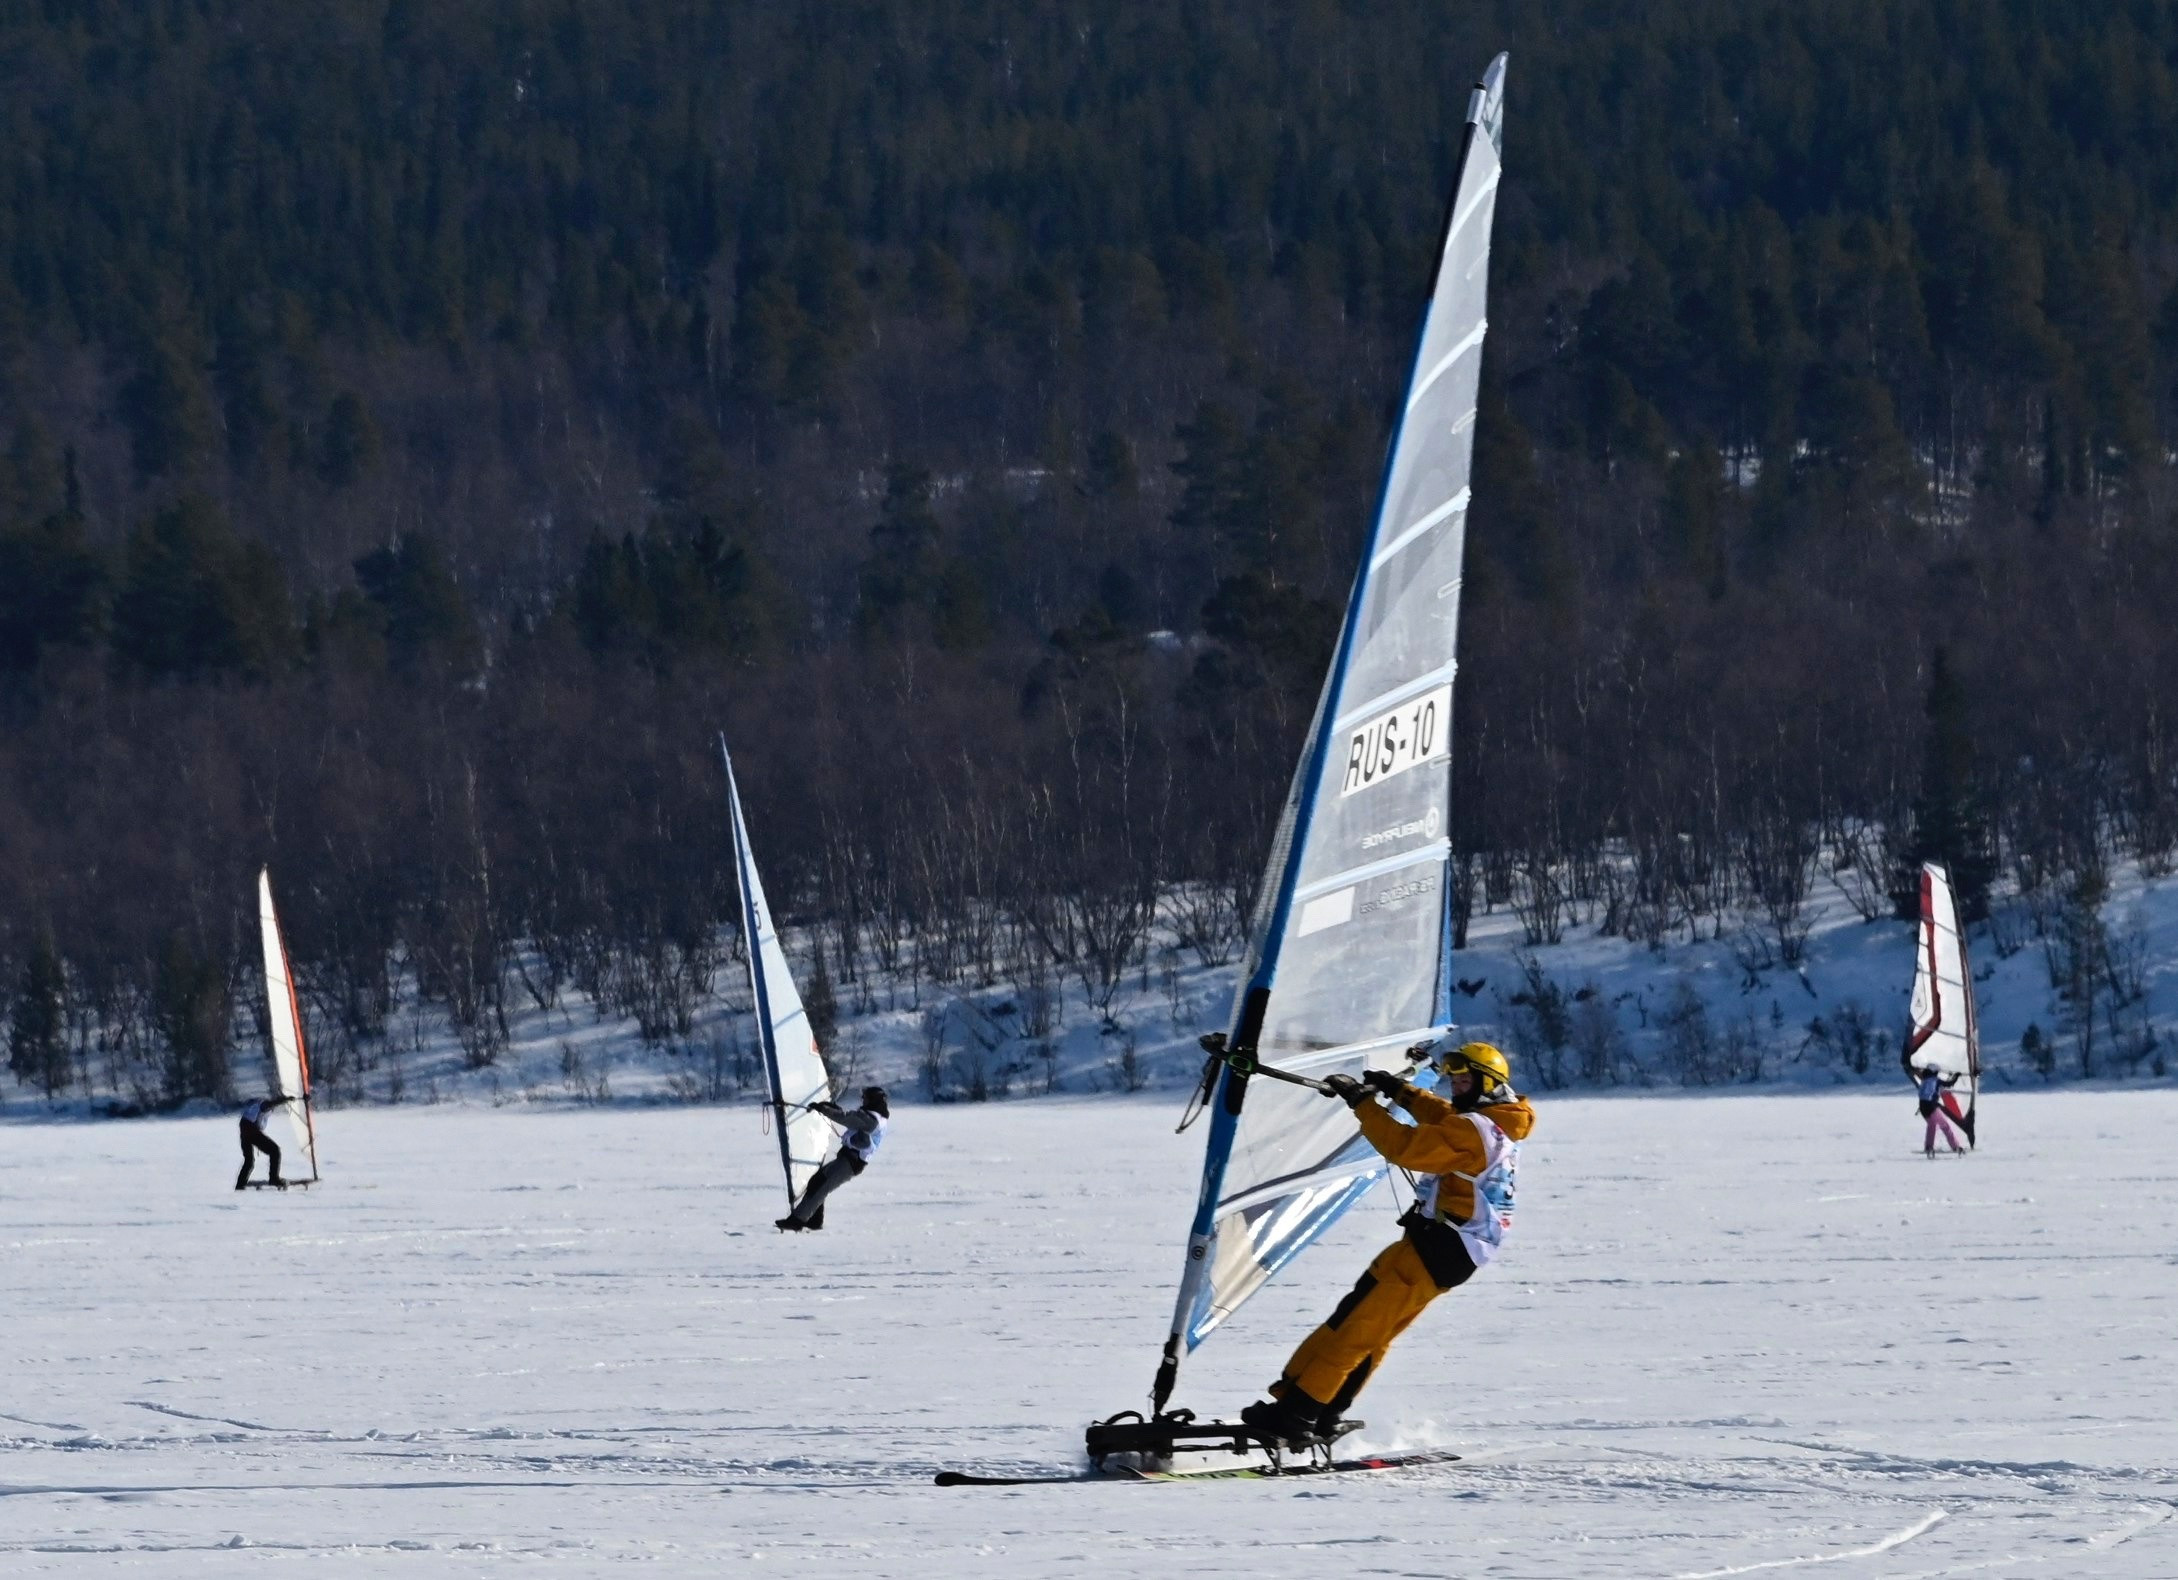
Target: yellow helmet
1487 1063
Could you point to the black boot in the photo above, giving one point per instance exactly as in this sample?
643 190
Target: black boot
1289 1419
1333 1422
789 1222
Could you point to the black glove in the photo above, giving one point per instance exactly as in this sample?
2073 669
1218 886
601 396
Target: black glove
1383 1081
1212 1042
1346 1088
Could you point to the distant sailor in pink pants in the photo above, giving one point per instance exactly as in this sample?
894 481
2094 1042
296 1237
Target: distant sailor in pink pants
1938 1107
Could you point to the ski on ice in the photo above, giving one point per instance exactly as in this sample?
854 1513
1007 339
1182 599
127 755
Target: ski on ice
1146 1447
1251 1472
1270 1472
1130 1448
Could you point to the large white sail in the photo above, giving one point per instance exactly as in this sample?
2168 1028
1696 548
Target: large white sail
1351 954
1943 1032
792 1062
291 1127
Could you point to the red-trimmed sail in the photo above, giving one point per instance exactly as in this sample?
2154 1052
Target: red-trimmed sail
1943 1033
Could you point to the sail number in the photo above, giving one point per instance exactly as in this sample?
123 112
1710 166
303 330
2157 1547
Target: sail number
1409 735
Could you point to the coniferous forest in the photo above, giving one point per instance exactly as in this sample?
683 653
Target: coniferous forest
424 426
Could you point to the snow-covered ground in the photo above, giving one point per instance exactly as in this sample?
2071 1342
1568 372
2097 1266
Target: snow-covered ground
1750 1334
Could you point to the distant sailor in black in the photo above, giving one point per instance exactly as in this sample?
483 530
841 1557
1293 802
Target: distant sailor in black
254 1141
864 1132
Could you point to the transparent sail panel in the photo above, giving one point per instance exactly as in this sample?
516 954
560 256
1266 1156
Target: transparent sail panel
791 1059
289 1126
1354 953
1943 1032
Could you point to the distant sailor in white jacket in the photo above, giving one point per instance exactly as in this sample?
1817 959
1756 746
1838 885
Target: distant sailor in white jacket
863 1131
254 1140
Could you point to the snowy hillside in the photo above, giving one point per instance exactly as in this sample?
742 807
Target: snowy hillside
1589 1011
567 1343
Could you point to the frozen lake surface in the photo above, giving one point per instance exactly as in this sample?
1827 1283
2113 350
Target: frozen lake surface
1754 1335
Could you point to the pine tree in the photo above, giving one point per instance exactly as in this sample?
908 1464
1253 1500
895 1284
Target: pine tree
168 406
190 1008
196 600
1213 479
52 590
37 1048
1950 818
419 604
900 573
351 441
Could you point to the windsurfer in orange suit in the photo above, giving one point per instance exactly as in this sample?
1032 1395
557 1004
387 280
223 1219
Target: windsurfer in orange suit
1464 1151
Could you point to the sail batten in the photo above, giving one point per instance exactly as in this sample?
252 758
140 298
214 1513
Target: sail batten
1451 507
1427 681
793 1065
1350 949
292 1127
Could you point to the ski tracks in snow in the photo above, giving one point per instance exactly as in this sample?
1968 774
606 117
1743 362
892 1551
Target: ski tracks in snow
1927 1522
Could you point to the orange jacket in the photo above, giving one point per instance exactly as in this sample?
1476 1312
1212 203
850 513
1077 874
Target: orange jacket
1442 1140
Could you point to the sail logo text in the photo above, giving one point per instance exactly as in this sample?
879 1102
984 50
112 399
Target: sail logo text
1425 825
1409 735
1396 892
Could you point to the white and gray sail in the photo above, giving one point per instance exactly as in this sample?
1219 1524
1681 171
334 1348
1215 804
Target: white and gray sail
792 1062
292 1127
1350 958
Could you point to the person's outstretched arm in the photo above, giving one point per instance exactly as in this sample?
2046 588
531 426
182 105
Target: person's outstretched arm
852 1118
1440 1142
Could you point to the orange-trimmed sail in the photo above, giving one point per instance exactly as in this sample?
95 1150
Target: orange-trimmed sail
292 1126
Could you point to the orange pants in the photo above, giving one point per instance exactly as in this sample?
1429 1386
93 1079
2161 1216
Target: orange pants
1335 1360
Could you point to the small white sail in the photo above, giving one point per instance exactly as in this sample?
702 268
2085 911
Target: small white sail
291 1127
1943 1032
792 1062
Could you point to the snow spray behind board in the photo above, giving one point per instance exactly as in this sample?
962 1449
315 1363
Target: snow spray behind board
1350 950
1943 1031
792 1063
291 1127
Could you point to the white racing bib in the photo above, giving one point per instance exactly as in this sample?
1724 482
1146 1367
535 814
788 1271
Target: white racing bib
864 1143
1485 1231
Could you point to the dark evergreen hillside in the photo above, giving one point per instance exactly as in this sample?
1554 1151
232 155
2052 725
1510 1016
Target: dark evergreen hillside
425 423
